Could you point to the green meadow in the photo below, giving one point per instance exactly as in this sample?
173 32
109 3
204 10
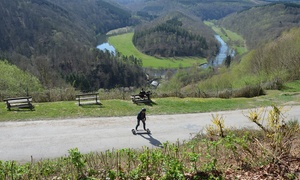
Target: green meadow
123 44
170 105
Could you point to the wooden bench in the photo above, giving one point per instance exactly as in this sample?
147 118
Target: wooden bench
19 102
138 98
88 99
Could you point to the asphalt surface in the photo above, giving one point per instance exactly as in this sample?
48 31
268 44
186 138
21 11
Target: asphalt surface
37 140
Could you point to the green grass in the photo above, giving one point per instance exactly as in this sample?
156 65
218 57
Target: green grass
123 44
198 157
70 109
292 86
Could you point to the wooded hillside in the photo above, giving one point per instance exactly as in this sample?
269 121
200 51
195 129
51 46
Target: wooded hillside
206 9
56 39
175 34
263 24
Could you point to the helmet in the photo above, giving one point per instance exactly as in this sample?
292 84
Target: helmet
143 109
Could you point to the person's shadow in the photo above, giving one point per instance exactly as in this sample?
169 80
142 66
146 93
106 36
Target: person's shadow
152 140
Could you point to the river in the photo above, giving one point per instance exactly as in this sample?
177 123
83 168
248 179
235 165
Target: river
106 46
224 51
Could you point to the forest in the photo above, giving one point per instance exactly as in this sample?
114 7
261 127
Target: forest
173 37
56 42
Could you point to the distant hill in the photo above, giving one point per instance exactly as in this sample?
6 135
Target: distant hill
99 15
281 1
262 24
175 34
30 24
56 39
205 9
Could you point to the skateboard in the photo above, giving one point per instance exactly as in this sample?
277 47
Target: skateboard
140 131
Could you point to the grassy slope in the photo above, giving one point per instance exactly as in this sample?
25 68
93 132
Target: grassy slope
123 44
60 110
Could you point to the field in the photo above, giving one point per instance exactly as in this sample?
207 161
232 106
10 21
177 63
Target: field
116 107
123 44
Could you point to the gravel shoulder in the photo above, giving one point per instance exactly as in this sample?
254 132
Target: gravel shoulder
36 140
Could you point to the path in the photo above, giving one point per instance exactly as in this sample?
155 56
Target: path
53 138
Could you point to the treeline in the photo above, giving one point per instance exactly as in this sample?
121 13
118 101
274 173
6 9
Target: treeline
109 71
262 24
55 40
173 36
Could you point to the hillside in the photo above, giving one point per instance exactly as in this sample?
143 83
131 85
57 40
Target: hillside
56 40
272 37
205 9
99 15
16 80
263 24
175 35
28 26
269 66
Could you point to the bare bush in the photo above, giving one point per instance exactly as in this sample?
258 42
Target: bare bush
248 91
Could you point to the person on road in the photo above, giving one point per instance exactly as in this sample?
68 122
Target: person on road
141 117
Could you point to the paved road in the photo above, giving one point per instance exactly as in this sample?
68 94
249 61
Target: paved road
53 138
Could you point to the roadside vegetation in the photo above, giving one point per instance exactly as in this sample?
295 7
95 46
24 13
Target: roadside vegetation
119 107
61 103
271 150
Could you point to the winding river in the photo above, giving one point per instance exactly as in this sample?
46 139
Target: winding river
224 51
